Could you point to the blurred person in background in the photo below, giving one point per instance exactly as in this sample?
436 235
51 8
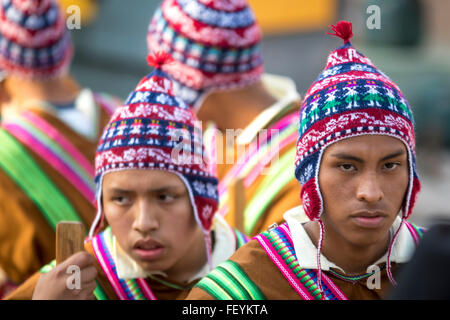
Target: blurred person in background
219 70
426 275
49 129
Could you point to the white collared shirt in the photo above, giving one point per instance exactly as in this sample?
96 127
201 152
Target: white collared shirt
402 250
224 247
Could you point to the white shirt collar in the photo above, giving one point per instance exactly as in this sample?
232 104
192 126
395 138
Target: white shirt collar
224 247
401 252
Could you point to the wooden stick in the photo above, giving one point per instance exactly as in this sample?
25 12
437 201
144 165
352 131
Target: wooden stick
237 203
69 239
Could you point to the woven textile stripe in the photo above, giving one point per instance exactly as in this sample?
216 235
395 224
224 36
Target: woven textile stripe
213 289
54 154
229 282
241 239
416 232
254 162
335 290
65 144
27 174
248 163
133 289
267 246
272 184
48 143
278 246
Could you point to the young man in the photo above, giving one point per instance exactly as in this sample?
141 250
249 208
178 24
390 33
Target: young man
159 199
49 130
356 164
216 45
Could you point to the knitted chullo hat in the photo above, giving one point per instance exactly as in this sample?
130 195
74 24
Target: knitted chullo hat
351 97
34 41
215 45
156 130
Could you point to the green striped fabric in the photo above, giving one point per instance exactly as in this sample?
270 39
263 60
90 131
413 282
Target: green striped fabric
27 174
229 282
241 239
420 231
280 175
48 267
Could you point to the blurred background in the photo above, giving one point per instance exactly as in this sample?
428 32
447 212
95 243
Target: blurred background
409 40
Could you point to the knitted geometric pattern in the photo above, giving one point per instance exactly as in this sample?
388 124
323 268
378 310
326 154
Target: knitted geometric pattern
155 129
351 97
34 41
215 45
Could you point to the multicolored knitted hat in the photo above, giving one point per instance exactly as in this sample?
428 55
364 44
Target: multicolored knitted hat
34 41
215 45
156 130
351 97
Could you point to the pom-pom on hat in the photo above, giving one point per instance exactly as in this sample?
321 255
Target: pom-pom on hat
156 130
34 41
351 97
215 45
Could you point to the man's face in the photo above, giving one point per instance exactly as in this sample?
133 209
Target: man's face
363 181
150 214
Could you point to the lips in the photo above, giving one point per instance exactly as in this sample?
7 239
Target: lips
148 249
369 219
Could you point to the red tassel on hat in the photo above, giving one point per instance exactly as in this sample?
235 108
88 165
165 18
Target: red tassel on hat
343 30
158 59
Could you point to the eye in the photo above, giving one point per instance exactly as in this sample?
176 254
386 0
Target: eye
391 165
121 200
166 197
347 167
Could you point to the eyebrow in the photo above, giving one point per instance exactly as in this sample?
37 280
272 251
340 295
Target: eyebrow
345 156
156 190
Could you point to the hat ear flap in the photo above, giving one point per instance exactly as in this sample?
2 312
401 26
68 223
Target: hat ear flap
206 208
411 201
311 199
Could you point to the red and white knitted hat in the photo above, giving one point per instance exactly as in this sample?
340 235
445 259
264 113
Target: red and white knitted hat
34 41
215 45
351 97
156 130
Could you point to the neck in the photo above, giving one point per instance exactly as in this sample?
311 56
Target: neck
191 263
60 90
353 259
235 109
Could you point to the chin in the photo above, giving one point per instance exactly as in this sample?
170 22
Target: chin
365 238
155 266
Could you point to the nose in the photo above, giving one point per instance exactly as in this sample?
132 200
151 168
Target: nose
145 218
369 188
